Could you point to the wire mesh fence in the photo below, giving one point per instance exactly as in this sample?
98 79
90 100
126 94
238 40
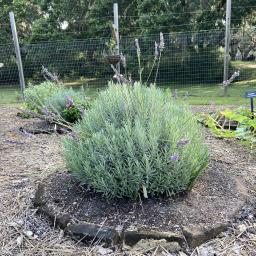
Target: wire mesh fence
188 59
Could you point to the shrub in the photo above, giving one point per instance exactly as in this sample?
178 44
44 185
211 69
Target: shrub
57 102
136 140
67 104
35 95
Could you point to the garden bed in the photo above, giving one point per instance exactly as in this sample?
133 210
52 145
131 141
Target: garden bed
27 159
216 197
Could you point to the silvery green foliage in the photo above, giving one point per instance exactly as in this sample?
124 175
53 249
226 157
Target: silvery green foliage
35 95
55 102
136 139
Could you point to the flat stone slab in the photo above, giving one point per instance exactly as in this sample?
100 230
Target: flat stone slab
197 235
88 232
132 237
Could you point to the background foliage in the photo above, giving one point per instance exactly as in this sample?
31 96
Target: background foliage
50 30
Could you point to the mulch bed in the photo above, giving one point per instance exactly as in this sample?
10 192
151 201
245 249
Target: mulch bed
25 160
217 196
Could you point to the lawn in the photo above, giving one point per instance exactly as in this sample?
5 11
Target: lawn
201 94
213 94
10 95
198 94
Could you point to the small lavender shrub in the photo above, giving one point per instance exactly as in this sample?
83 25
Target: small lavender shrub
136 140
67 104
35 95
56 102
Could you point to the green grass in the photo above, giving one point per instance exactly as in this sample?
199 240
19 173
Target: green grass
199 94
10 95
213 94
204 94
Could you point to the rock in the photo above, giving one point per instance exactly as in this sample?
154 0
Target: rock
93 233
242 228
151 245
19 240
39 195
197 235
103 251
28 233
252 230
131 237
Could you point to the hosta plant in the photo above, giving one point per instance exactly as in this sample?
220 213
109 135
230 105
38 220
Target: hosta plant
136 140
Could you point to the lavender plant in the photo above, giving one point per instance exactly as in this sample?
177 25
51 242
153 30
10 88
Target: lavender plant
159 47
35 95
55 103
136 140
68 105
138 57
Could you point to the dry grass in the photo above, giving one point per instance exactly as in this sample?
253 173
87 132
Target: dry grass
19 218
25 160
238 240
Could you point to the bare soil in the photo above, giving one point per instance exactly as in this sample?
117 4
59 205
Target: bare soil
26 159
217 196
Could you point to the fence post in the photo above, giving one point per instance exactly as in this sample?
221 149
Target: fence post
116 23
227 45
17 52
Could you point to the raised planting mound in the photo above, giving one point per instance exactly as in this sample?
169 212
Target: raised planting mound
134 163
201 214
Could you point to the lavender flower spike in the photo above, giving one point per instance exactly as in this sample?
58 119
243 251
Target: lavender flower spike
123 60
175 157
161 44
69 101
182 142
137 44
156 51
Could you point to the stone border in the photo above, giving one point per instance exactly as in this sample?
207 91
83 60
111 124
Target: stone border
89 232
42 127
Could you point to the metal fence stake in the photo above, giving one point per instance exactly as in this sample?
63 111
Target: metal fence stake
227 45
116 23
17 52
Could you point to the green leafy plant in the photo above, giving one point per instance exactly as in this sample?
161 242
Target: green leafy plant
136 140
220 124
56 103
67 104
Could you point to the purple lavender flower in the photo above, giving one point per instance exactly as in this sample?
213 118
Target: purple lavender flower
45 111
69 101
182 142
175 157
156 53
72 135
